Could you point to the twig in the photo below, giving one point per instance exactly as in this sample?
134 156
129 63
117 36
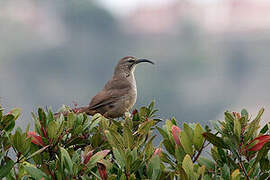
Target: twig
200 151
242 166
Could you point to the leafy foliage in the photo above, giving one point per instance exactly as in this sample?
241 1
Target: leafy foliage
82 147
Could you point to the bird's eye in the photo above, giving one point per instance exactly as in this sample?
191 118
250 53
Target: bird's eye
131 61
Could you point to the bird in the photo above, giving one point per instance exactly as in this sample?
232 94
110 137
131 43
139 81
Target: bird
119 93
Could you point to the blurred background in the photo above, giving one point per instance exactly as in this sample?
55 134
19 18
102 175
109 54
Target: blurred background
211 55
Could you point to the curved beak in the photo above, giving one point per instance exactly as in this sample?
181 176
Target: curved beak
143 60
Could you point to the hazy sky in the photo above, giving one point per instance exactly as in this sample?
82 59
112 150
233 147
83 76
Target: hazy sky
122 7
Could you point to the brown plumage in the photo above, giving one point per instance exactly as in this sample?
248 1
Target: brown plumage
119 94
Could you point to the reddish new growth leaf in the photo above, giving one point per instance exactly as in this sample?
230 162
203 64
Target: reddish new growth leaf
237 115
105 152
175 132
36 139
135 111
102 171
158 152
75 103
87 157
44 132
10 112
76 110
261 140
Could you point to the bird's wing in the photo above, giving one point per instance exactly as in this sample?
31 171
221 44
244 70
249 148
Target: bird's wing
113 91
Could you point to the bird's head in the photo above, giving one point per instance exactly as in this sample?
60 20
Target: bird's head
127 65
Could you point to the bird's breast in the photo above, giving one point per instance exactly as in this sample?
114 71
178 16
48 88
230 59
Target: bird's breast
131 97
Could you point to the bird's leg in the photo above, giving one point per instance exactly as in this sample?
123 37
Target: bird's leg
110 122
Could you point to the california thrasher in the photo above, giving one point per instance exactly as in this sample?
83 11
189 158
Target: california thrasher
119 94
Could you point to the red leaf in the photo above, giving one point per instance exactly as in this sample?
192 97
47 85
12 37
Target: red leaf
87 157
261 140
237 115
175 132
135 111
36 139
105 152
44 132
158 152
102 171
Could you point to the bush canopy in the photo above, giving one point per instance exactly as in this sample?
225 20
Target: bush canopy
77 146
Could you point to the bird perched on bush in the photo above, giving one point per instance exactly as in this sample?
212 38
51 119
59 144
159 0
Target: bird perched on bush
119 94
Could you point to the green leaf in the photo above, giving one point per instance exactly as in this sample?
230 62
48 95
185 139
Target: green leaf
132 177
173 120
50 115
7 122
145 127
244 113
128 137
20 141
5 168
53 129
1 112
118 139
216 126
111 139
7 119
186 143
149 148
134 154
37 123
162 132
215 140
236 175
237 128
97 157
222 155
16 112
253 126
119 158
188 130
198 138
207 177
38 152
66 160
179 154
229 117
128 160
187 165
264 164
151 106
95 121
182 174
201 170
169 125
225 172
70 120
42 117
35 172
209 164
155 161
155 165
10 126
259 115
144 112
169 146
264 129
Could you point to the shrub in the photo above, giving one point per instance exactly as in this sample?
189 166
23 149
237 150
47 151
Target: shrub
82 147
